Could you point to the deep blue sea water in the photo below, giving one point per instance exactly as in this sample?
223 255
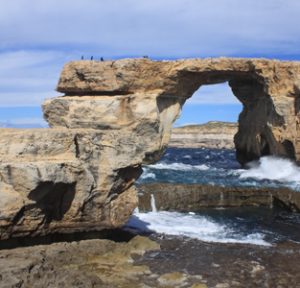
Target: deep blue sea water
259 226
219 167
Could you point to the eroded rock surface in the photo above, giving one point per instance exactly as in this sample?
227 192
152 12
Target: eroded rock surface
166 263
88 263
65 180
115 116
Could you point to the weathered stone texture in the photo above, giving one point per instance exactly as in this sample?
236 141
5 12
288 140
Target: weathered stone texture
96 263
64 180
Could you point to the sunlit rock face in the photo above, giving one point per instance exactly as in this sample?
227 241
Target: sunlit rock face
116 115
134 93
65 180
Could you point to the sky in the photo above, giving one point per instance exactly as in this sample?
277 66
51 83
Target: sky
39 36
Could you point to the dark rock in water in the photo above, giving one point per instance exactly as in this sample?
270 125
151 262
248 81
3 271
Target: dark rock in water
192 197
228 265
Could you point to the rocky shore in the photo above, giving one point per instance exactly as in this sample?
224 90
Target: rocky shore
126 260
79 176
86 263
213 134
161 262
227 265
150 262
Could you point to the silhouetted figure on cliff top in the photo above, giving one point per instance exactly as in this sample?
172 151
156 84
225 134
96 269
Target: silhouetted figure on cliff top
92 57
101 59
82 57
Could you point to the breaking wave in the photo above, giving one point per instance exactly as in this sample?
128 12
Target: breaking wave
192 226
147 175
272 168
219 167
214 167
178 166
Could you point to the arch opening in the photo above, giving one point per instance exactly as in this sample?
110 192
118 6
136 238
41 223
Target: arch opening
208 118
254 137
213 102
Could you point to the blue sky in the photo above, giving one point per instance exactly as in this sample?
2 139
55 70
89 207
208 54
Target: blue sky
39 36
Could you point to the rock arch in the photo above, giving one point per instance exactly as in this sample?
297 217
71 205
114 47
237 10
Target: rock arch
151 93
117 115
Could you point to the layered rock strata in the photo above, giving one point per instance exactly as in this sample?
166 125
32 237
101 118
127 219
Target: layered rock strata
66 180
117 115
210 135
194 197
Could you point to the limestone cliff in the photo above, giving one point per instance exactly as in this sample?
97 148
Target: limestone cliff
210 135
116 115
64 180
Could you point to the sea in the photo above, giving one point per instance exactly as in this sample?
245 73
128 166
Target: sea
255 226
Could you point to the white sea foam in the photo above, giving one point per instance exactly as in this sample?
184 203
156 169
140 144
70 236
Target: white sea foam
187 156
178 166
147 175
272 168
193 226
153 204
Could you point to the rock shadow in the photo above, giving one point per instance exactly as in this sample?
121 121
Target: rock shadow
53 199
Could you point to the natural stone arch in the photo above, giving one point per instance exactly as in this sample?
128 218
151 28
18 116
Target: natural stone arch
254 137
267 89
116 116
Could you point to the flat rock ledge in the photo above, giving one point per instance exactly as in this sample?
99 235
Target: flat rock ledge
87 263
79 175
194 197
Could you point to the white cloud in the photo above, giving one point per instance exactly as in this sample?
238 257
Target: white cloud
28 77
169 28
24 99
28 121
39 36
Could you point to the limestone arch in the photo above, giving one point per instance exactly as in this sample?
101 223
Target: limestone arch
114 116
254 138
144 97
